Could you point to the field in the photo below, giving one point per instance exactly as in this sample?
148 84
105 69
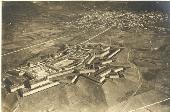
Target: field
144 34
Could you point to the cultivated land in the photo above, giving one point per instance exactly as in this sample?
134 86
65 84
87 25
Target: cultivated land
50 25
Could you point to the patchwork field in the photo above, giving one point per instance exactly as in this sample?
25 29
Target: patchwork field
143 33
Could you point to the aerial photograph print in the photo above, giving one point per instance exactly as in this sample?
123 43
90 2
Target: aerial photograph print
85 56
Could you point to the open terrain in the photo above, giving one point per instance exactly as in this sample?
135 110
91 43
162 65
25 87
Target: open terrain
143 32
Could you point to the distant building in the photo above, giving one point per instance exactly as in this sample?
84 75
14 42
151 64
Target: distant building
100 67
114 53
27 92
63 63
37 83
106 49
74 79
16 72
104 73
51 68
38 72
102 79
114 76
92 78
85 71
14 88
106 62
91 59
86 58
118 70
69 68
103 54
61 73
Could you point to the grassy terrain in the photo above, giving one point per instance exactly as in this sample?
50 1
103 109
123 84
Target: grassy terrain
28 23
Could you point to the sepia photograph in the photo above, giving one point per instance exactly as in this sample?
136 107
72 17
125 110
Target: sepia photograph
85 56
